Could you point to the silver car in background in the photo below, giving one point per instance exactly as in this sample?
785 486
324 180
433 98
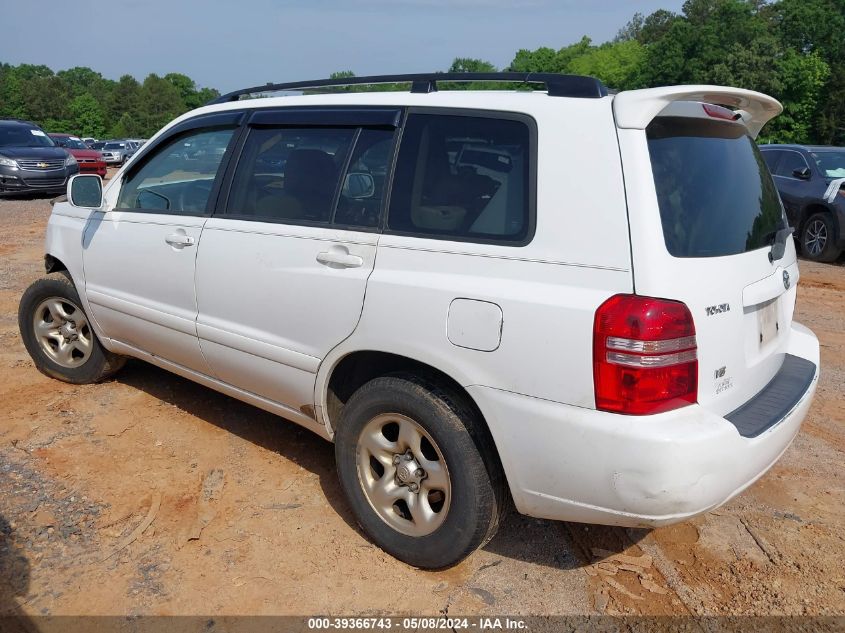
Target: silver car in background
118 152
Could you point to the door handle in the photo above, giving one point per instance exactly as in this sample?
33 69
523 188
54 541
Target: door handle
340 259
179 240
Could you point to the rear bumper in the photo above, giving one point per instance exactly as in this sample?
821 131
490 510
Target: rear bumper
576 464
98 168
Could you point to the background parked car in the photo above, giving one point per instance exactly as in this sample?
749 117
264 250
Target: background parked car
803 174
98 145
90 160
30 161
118 152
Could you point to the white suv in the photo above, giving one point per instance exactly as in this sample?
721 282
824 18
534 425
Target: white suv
576 301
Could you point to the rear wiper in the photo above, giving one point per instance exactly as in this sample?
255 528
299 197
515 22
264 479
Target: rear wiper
779 245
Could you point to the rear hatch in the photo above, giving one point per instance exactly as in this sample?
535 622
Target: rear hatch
711 232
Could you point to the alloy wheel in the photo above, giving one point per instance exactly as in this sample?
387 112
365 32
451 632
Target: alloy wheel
403 474
815 237
63 332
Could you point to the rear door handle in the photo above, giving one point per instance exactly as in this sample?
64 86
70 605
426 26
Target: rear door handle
340 259
179 240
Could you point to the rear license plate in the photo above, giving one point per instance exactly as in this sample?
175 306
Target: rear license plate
767 318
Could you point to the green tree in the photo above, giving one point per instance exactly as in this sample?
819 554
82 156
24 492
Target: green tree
471 65
618 65
802 78
122 100
46 99
159 102
542 60
86 116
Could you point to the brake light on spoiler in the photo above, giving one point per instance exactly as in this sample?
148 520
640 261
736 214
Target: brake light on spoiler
645 356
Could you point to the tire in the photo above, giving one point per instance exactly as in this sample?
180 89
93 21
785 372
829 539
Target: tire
69 351
818 238
460 485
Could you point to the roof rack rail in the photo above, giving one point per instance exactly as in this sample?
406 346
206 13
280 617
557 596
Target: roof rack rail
557 85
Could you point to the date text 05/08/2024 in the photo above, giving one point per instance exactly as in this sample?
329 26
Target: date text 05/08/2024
417 623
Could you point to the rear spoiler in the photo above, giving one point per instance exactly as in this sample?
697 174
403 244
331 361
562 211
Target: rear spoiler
634 109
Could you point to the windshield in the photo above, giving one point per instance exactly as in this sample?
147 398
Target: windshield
69 142
19 136
832 164
115 145
715 194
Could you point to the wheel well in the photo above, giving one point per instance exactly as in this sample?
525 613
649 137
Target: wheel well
53 265
812 209
358 368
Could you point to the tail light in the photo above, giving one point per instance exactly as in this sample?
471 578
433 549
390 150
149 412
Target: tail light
644 355
719 112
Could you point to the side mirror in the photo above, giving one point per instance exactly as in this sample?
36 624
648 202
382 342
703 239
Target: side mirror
358 186
803 173
85 190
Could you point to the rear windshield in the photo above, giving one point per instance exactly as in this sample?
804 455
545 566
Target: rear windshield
715 193
69 142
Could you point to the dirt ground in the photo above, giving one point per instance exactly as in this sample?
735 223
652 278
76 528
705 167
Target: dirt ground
149 494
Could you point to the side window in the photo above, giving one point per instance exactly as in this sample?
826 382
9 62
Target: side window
290 174
790 162
179 177
362 194
771 157
462 178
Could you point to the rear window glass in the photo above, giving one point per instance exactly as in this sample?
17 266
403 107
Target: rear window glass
462 178
716 195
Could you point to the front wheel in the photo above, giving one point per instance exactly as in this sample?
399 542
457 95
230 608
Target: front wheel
419 471
818 238
58 335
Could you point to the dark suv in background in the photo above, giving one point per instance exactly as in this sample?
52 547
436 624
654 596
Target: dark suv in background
30 161
803 175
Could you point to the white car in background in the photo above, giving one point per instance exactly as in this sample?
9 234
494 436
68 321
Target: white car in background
579 301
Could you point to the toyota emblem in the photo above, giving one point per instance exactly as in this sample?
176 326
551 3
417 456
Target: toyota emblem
786 280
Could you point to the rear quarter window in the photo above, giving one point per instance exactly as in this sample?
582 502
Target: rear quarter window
464 178
715 193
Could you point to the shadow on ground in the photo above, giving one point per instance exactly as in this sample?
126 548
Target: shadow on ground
14 582
548 543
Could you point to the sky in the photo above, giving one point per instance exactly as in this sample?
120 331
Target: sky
229 44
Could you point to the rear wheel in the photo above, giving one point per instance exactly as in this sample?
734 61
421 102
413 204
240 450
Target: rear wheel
418 470
818 238
58 335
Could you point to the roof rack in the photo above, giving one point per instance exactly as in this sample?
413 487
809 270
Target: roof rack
557 85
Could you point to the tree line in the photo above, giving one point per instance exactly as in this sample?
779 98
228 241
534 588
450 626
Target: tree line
793 50
83 102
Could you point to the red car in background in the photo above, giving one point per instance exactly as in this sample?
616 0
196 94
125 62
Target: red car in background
90 161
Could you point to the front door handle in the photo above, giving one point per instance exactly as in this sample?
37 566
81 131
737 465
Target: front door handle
179 240
340 258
